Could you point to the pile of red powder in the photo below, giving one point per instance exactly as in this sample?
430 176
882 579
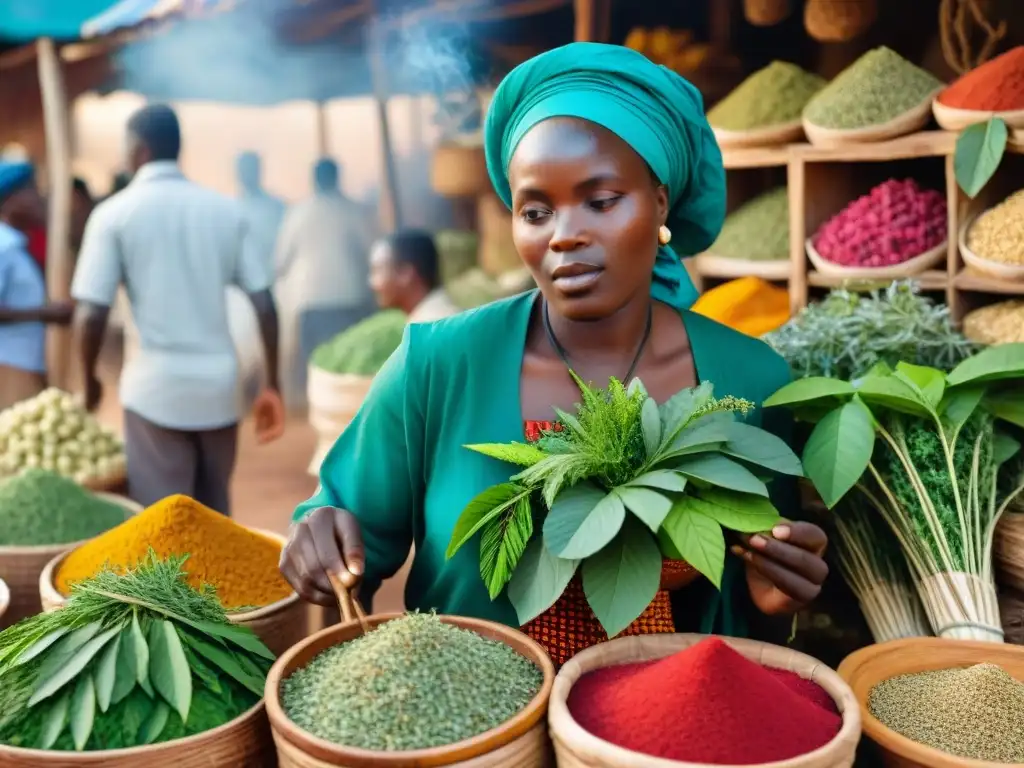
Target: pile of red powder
706 704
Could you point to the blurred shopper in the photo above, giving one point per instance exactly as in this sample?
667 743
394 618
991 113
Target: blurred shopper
82 203
176 247
405 275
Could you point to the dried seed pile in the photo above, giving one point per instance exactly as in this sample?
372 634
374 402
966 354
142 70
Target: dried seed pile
413 683
771 96
976 713
998 234
1000 323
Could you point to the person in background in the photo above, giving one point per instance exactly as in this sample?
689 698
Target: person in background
175 247
322 261
405 275
82 204
24 311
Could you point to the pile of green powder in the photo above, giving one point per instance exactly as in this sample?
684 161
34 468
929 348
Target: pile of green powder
771 96
976 713
876 88
758 230
413 683
38 507
362 349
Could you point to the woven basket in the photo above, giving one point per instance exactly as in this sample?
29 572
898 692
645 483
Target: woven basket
497 253
459 171
577 748
766 13
864 669
838 21
20 567
521 742
279 625
240 743
1008 550
334 399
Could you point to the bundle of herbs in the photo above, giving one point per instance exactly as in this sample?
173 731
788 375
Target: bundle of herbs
933 454
617 487
131 659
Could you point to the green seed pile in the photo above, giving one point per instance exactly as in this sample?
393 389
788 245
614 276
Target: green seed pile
413 683
876 88
771 96
758 230
976 713
362 349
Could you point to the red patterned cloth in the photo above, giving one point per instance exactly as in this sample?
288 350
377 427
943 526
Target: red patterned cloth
570 626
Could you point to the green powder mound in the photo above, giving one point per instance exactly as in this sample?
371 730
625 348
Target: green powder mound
771 96
876 88
413 683
975 713
456 252
362 349
758 230
38 507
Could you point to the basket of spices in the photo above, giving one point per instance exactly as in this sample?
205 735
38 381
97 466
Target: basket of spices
993 243
139 668
694 700
412 690
765 108
994 89
896 230
240 563
941 703
880 96
754 240
43 514
999 323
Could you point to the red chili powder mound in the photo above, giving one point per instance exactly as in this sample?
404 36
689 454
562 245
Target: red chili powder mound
706 704
996 86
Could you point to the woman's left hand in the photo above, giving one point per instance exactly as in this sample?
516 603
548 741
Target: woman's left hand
785 570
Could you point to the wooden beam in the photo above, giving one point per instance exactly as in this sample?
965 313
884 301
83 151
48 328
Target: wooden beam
391 213
593 20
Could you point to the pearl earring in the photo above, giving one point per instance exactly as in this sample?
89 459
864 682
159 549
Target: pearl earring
664 235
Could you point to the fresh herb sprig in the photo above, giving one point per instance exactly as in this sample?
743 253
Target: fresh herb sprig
621 484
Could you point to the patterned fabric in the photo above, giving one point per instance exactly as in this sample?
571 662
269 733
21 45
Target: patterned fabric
570 626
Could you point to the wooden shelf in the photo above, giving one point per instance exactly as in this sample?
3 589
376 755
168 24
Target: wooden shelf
756 157
930 280
971 280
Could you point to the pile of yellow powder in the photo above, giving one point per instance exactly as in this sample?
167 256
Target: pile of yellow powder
241 564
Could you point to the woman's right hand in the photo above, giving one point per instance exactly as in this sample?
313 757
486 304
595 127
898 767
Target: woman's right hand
327 540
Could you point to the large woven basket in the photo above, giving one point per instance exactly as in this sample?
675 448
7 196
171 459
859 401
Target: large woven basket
1008 549
577 748
241 743
522 742
334 399
20 567
838 21
279 625
864 669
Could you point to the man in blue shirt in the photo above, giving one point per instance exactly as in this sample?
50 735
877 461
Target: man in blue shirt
23 307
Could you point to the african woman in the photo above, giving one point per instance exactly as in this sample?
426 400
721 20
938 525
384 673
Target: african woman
604 159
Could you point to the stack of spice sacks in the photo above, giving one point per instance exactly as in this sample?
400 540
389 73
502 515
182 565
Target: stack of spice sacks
133 665
241 564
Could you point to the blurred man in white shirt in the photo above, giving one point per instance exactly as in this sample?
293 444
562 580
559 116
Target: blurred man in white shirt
405 275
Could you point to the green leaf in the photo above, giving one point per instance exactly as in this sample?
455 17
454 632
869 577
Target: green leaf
663 479
486 506
688 534
44 643
569 421
523 454
648 505
894 394
105 673
704 433
813 389
140 651
1003 361
83 711
55 720
741 512
227 663
126 673
538 581
838 451
677 410
1008 406
930 383
47 686
622 579
957 406
243 637
502 544
650 421
66 648
760 447
1004 448
582 520
721 471
636 387
979 149
168 667
154 723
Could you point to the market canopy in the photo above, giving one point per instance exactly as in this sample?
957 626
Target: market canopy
26 20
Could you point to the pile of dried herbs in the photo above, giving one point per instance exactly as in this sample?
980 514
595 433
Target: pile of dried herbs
131 659
362 349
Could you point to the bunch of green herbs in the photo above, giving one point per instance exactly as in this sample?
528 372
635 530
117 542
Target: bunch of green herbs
616 487
848 333
774 95
758 230
362 349
131 659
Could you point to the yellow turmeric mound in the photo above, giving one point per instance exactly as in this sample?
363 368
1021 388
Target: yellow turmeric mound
240 563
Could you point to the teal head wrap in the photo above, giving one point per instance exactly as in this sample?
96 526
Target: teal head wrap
651 108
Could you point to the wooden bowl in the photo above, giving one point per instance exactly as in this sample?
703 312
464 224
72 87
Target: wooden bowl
912 120
299 748
710 265
909 268
1011 272
954 119
865 668
769 136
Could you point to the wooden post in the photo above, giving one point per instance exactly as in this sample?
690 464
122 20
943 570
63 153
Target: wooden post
593 20
322 137
59 264
391 214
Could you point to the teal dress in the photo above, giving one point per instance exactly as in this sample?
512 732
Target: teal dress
402 470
